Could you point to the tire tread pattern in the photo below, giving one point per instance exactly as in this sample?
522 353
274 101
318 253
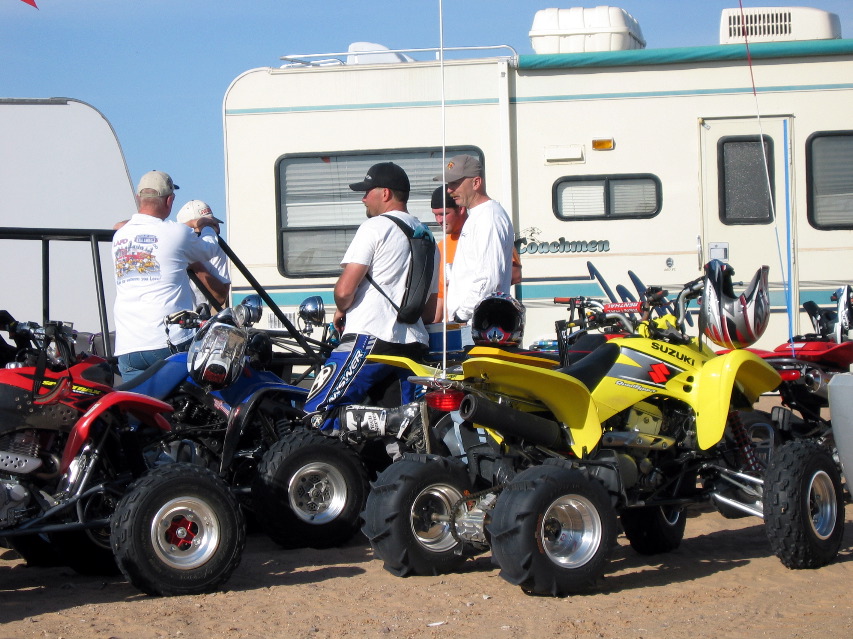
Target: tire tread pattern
786 508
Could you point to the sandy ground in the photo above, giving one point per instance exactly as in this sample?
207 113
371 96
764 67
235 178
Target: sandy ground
722 582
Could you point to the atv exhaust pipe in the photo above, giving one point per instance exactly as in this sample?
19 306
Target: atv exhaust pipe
510 421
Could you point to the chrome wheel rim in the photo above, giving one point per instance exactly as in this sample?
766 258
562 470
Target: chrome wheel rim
185 533
823 508
571 531
430 515
317 493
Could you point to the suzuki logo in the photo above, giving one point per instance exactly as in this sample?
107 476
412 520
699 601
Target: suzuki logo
659 373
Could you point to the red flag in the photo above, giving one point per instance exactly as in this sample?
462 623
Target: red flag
30 2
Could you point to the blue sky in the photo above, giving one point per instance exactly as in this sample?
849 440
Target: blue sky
158 69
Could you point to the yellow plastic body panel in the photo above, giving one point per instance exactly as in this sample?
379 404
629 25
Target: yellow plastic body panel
519 358
419 370
705 383
714 385
564 396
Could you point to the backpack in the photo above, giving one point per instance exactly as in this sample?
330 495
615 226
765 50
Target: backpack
421 267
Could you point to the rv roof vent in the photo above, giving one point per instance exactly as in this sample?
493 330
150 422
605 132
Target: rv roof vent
778 24
372 53
578 29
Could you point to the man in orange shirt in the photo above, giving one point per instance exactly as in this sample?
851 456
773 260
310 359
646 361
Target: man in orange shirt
452 216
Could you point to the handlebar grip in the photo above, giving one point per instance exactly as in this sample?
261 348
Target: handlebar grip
695 285
563 300
180 317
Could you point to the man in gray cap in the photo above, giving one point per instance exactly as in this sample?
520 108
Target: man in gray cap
151 256
376 265
483 261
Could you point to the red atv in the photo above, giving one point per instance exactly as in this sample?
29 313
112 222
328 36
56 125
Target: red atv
806 364
83 476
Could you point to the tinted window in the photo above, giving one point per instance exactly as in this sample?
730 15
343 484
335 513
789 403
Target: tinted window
829 170
318 214
597 197
743 180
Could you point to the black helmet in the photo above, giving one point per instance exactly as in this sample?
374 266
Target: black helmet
734 321
498 319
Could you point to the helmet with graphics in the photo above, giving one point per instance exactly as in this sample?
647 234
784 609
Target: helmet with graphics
730 320
217 355
498 320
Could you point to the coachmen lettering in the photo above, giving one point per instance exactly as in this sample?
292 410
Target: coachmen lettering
524 245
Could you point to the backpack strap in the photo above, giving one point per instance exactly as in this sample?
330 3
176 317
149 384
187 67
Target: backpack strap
407 230
379 288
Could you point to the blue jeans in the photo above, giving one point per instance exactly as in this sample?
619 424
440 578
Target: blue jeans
132 364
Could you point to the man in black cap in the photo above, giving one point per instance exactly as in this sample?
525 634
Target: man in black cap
373 281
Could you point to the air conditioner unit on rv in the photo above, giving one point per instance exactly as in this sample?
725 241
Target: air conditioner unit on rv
577 30
778 24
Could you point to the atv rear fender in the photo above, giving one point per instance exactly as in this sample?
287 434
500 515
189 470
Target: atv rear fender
418 370
567 398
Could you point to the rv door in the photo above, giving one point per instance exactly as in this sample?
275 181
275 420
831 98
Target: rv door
745 167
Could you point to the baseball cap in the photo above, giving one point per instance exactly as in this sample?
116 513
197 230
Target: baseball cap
195 209
383 175
460 166
440 200
158 181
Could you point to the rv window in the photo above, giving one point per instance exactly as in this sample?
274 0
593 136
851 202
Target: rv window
318 214
743 179
829 179
596 197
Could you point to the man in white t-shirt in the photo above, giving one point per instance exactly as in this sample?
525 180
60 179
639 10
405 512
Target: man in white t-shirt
151 256
365 317
193 210
483 261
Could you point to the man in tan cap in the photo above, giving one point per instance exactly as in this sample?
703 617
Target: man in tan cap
483 261
151 256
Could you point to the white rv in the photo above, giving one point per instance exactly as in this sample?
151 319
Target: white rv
648 160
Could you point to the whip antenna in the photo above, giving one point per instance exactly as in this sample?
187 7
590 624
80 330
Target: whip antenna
786 283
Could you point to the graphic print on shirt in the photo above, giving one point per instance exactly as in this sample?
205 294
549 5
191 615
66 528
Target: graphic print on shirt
135 259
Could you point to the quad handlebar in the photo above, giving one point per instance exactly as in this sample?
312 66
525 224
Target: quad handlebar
32 340
627 316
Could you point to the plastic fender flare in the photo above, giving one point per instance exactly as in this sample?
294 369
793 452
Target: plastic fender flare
242 413
714 384
566 397
520 358
146 409
419 370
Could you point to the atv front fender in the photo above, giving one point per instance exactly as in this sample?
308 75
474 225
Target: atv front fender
291 399
715 382
147 410
841 410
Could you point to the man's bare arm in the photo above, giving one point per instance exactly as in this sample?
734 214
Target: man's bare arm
211 282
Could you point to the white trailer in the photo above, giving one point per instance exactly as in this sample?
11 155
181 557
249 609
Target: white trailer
648 160
64 183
